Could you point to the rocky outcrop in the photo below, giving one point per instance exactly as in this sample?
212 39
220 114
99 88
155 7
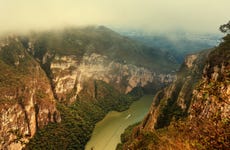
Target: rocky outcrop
209 112
70 73
194 111
174 100
189 61
26 99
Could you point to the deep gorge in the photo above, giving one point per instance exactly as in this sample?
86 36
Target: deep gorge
62 82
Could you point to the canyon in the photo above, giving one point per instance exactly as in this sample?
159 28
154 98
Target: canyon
55 86
58 84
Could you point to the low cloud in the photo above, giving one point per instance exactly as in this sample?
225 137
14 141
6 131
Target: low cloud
150 15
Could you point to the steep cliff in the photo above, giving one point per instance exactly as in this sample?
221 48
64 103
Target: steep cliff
70 74
26 99
193 112
174 101
73 56
73 75
92 71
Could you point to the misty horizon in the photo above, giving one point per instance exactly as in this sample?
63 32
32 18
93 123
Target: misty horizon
145 15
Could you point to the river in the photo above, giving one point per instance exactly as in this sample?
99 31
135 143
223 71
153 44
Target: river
106 134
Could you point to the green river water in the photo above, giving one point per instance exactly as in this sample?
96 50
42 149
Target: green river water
106 134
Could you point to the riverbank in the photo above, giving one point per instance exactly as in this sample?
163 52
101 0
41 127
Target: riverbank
79 118
106 134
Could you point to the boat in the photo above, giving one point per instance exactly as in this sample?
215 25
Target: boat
129 115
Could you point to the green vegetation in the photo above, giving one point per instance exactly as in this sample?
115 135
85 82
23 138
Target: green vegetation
221 53
79 118
126 135
17 67
20 58
225 28
205 124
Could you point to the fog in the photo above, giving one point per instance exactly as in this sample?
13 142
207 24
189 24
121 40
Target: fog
149 15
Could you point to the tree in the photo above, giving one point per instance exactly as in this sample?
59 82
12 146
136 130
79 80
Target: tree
225 28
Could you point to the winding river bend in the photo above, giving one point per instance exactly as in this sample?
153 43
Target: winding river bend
106 134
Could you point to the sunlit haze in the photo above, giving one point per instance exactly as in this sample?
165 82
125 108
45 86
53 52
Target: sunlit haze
149 15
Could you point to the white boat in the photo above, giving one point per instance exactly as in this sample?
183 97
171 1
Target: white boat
129 115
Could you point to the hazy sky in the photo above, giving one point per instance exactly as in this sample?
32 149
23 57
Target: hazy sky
194 15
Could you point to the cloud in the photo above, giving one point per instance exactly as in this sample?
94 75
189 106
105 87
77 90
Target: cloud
151 15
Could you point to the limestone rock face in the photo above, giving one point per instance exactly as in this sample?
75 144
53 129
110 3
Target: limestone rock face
70 73
178 95
190 60
194 110
213 95
20 121
33 110
27 101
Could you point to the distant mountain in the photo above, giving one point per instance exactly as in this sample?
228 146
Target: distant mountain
177 43
103 41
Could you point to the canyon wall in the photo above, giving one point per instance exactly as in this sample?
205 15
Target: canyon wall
68 74
27 101
193 111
